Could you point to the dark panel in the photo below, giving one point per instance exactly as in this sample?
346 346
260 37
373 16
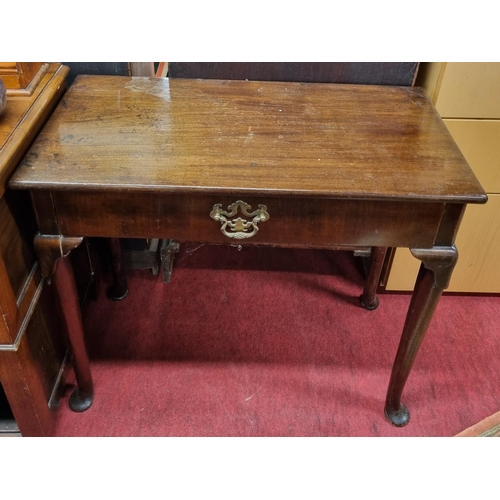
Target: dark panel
8 426
5 411
374 73
96 68
45 336
17 228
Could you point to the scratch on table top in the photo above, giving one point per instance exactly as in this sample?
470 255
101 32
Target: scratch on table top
248 138
149 87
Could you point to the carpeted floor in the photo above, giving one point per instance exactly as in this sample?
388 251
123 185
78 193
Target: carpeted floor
488 427
272 342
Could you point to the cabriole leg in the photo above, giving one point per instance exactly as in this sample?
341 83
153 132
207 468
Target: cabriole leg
434 276
53 254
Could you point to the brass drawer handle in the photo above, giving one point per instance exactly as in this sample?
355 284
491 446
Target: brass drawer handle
239 228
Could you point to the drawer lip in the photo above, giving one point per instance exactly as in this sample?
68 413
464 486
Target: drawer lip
293 221
479 196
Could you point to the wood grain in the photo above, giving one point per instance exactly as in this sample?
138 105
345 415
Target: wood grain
334 164
17 227
244 138
19 75
31 347
294 222
29 374
24 117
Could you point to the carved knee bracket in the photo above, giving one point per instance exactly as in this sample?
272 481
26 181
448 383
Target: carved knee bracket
440 260
50 248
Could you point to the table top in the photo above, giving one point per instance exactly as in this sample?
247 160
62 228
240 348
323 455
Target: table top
248 138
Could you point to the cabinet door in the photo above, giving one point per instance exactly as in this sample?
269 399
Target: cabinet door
469 90
479 141
478 242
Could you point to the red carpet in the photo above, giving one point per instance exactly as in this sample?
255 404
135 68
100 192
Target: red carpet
272 342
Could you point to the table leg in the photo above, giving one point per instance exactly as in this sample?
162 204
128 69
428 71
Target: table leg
167 252
434 276
53 254
118 290
369 299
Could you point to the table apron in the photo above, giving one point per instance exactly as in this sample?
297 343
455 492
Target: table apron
293 221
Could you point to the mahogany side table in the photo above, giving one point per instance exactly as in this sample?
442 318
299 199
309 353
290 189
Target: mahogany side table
261 163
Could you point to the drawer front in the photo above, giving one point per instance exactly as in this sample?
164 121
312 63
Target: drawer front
301 222
479 141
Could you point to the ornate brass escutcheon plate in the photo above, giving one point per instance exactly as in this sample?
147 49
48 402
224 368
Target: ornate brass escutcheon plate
239 228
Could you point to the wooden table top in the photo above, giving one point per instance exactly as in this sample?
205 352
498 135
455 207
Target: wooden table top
248 138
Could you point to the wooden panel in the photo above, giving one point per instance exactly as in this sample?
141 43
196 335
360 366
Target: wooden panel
23 118
17 229
17 108
479 141
374 73
298 222
18 75
8 308
470 90
247 138
28 375
478 241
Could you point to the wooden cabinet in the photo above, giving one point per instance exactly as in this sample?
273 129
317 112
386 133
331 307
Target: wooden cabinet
32 349
22 78
466 90
467 97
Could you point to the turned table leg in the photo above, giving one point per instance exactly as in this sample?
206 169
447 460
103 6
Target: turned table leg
434 276
53 254
118 290
369 299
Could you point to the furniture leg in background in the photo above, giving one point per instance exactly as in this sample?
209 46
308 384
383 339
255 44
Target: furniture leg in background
118 290
369 299
167 252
